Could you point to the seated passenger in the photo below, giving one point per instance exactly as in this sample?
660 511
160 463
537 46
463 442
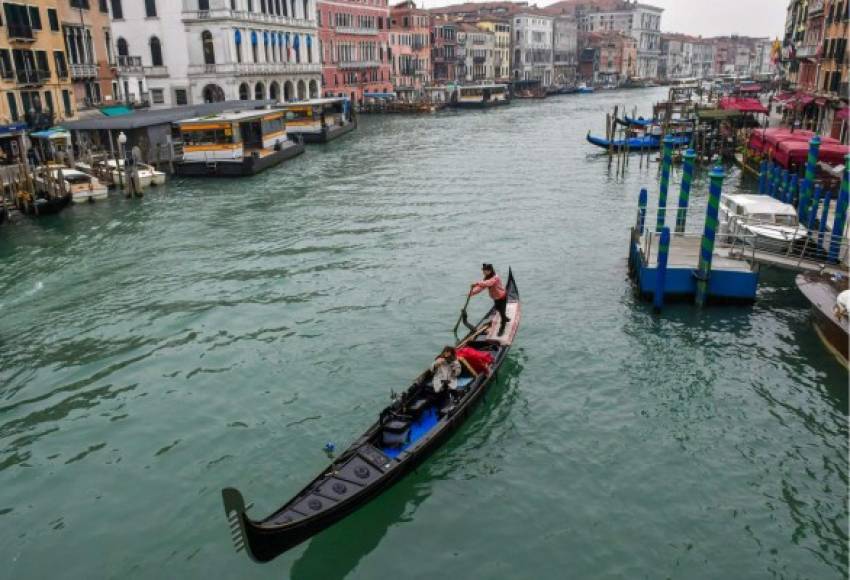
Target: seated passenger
446 369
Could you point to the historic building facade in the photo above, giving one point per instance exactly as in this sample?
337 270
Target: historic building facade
35 80
445 59
532 47
354 45
410 47
177 53
85 27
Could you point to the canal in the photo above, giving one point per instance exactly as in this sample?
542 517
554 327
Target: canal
219 333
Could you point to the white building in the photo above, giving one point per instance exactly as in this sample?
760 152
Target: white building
564 49
532 47
640 21
178 52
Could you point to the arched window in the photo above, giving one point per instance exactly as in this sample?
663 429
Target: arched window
244 92
156 51
123 49
209 49
259 91
212 94
274 91
306 8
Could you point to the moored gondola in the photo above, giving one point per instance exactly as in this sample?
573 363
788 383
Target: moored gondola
407 431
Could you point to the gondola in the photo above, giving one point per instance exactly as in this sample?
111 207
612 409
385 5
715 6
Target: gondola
410 429
642 143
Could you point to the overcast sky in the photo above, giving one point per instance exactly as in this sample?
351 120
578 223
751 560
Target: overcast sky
705 17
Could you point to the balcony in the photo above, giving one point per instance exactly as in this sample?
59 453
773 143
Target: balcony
252 69
807 51
38 121
356 64
20 33
130 65
32 77
82 71
191 15
356 30
156 72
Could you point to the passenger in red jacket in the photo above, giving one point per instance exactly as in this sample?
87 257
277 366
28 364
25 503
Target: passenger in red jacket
497 292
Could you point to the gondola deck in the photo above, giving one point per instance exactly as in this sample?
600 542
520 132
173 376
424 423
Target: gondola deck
407 432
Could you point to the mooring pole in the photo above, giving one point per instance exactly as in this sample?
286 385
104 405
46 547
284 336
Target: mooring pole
707 246
771 180
661 269
840 216
666 162
763 177
792 189
824 215
642 200
809 178
813 211
784 184
685 192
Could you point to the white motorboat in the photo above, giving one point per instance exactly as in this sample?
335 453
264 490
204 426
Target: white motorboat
760 221
82 186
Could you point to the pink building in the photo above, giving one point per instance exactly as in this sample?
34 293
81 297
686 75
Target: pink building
410 44
353 41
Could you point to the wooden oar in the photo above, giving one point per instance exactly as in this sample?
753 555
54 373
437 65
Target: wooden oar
462 312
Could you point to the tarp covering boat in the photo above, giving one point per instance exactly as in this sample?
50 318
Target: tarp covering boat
795 153
764 141
640 121
645 142
743 104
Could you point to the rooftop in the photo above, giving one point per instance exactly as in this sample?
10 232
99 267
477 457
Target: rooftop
142 119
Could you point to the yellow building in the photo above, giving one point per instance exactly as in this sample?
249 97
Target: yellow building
502 50
35 84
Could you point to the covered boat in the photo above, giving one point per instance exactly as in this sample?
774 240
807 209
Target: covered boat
81 186
760 221
639 143
830 300
405 434
479 96
319 120
639 122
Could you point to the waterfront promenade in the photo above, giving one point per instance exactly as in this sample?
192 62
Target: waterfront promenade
220 332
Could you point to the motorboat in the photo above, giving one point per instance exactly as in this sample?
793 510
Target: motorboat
760 221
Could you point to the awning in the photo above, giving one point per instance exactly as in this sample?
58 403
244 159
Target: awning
785 98
52 133
743 104
750 89
820 101
843 114
116 111
804 99
379 95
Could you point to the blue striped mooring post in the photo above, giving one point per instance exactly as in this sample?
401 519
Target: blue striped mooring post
808 184
706 251
661 269
642 200
840 215
666 163
813 211
774 181
784 185
762 177
685 192
824 216
792 189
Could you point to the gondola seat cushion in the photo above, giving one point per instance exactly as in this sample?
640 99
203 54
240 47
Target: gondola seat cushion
416 407
396 432
463 382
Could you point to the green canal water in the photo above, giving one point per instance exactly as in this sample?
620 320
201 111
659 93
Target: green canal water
219 333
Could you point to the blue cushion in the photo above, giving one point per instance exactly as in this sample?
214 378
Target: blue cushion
463 382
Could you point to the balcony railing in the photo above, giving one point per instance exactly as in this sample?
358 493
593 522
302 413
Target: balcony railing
130 64
20 32
159 71
191 15
356 30
807 51
355 64
32 77
249 68
83 71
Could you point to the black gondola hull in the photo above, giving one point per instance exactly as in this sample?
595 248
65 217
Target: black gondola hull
265 541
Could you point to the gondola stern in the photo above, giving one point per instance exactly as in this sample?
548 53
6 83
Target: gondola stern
234 510
512 289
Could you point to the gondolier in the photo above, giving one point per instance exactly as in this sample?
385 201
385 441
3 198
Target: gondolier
497 292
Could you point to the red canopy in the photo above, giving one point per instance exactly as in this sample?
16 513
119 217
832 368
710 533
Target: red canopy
843 114
766 140
784 98
743 104
790 153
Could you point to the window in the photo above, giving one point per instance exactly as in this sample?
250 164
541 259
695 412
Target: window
61 67
35 18
157 96
204 5
13 106
209 49
181 97
156 51
108 40
117 11
104 6
123 49
48 98
53 19
150 8
43 64
66 102
6 70
80 4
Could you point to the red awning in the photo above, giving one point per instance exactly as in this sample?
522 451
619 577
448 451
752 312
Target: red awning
743 104
820 101
803 99
843 114
790 153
